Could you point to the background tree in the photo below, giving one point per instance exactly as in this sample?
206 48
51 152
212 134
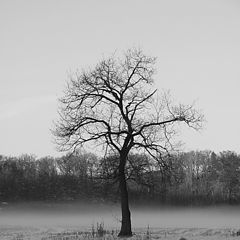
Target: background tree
229 171
115 105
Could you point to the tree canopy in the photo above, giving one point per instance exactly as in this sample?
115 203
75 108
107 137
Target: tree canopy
117 105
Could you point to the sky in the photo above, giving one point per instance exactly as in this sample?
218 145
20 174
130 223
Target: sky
197 45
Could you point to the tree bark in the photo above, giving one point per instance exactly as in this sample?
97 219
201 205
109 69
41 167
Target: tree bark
126 229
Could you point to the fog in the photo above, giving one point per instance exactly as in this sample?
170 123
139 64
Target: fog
85 215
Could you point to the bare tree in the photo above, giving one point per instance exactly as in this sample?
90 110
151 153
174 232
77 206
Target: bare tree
115 105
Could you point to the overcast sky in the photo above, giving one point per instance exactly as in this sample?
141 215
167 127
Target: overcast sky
197 45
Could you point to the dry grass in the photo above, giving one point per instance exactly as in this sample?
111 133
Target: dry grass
98 232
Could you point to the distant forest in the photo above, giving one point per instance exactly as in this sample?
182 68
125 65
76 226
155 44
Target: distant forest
186 178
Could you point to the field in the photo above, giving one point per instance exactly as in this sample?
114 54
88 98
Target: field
31 233
69 221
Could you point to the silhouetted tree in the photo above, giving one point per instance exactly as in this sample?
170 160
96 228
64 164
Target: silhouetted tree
116 105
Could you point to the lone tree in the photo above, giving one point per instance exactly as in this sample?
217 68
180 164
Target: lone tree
115 105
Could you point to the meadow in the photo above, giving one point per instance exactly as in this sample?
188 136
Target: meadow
68 221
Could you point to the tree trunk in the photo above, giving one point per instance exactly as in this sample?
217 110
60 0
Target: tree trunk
126 229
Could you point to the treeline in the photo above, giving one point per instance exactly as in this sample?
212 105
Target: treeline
196 177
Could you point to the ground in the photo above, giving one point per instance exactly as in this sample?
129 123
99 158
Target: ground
31 233
73 221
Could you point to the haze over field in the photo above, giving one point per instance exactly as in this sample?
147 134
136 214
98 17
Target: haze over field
197 44
84 216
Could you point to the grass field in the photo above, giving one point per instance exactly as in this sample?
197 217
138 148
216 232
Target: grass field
30 233
68 221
